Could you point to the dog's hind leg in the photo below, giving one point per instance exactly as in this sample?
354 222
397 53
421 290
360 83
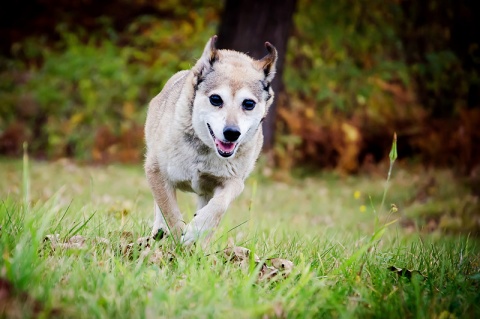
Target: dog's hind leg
167 212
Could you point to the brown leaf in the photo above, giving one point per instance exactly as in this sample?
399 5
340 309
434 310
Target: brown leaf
267 273
239 254
144 241
141 245
101 240
75 242
156 257
127 242
402 272
283 265
53 239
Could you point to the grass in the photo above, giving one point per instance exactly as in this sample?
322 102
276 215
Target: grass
323 223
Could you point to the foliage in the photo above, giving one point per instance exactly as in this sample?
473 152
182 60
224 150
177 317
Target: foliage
339 48
354 74
88 95
347 85
358 71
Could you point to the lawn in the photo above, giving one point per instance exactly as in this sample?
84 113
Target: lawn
419 257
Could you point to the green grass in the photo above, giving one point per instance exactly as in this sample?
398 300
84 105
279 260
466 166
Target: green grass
323 223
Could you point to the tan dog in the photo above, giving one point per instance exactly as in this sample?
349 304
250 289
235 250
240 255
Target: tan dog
203 134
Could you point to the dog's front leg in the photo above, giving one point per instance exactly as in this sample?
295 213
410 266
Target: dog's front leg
167 213
207 218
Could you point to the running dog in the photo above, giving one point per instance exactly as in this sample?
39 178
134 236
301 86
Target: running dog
204 134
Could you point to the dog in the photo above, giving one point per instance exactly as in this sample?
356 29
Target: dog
203 134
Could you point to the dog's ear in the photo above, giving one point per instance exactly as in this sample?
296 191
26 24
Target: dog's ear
267 63
209 56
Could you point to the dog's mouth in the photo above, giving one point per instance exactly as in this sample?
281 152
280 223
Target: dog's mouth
225 149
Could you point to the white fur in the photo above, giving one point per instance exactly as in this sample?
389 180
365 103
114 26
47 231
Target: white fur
181 152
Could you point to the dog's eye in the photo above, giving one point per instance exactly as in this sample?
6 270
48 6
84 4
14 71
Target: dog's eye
248 105
216 100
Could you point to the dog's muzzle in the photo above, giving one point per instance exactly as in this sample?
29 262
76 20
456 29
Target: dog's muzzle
231 133
226 147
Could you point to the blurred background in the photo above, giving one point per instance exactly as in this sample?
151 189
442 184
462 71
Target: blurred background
76 76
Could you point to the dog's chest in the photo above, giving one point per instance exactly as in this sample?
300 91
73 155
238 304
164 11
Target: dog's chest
202 175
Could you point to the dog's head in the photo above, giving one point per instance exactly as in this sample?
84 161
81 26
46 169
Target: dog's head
232 96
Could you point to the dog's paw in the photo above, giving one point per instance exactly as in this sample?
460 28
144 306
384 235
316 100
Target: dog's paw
192 235
159 233
189 238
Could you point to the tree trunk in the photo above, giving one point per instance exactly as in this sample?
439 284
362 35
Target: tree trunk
245 26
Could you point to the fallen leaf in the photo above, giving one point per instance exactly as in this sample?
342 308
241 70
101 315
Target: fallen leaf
101 240
53 239
283 265
142 245
238 254
403 272
144 241
156 257
75 242
267 273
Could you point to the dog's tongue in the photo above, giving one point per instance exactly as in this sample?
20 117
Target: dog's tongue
225 147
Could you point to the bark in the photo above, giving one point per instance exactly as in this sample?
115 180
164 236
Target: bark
245 26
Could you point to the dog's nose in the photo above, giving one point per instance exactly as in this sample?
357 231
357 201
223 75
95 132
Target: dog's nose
231 133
